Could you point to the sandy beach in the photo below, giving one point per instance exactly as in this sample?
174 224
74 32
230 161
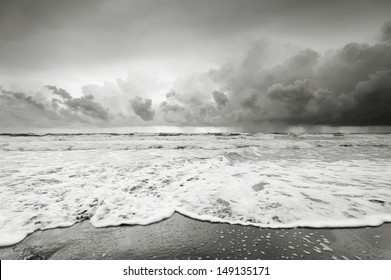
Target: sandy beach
180 237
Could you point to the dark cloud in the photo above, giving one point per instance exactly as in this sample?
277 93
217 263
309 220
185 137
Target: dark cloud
220 98
236 78
342 69
190 109
142 108
80 107
174 113
289 101
369 103
54 35
346 86
86 106
385 35
61 92
17 108
21 109
350 85
297 103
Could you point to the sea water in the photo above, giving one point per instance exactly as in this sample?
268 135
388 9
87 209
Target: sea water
266 180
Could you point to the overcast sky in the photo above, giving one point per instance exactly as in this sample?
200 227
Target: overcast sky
185 62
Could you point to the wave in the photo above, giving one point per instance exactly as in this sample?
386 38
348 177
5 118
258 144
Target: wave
259 180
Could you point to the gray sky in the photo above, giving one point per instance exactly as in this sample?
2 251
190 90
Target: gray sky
118 55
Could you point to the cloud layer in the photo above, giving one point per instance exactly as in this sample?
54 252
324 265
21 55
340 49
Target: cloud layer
142 108
346 86
53 106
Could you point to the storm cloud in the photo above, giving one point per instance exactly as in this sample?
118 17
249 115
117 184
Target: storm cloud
189 109
142 108
48 108
17 108
385 35
346 86
220 98
232 64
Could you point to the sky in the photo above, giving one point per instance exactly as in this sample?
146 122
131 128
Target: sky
214 63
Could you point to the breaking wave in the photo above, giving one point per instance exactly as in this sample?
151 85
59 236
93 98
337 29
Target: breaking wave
266 180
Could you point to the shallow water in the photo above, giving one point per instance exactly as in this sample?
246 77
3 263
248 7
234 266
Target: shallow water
268 180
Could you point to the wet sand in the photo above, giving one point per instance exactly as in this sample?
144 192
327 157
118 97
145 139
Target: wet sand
180 237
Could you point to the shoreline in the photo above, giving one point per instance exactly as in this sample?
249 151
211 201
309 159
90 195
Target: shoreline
181 237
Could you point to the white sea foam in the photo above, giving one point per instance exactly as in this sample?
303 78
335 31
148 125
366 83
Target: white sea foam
272 181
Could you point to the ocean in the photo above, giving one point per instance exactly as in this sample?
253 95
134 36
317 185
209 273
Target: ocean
265 180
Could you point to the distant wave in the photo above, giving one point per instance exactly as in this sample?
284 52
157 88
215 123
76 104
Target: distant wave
173 134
